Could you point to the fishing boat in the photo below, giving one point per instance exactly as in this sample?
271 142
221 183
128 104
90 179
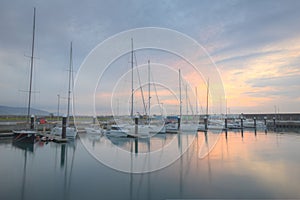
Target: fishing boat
28 136
71 132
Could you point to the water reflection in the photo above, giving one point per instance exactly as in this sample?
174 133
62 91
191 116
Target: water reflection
226 165
26 148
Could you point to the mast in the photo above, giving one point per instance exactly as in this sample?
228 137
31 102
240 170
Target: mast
31 67
180 100
58 101
69 89
207 93
226 106
149 95
131 112
196 100
187 103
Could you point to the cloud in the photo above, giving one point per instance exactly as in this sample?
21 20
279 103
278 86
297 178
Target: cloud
253 42
282 82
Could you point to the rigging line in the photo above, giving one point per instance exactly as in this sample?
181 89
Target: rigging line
161 110
142 92
190 104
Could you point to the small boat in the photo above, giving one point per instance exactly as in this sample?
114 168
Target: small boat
234 125
27 136
171 124
116 131
189 127
94 130
71 132
145 130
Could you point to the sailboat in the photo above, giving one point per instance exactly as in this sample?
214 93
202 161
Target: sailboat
185 125
144 128
28 135
71 132
213 123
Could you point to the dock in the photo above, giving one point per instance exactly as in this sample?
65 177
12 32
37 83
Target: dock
47 137
6 135
284 124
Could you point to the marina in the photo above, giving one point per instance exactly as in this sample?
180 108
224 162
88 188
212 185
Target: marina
193 100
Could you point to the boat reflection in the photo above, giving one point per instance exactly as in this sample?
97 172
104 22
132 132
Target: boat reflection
248 162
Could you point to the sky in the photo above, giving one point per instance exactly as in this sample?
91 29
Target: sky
254 44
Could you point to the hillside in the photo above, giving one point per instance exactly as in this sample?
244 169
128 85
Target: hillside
7 110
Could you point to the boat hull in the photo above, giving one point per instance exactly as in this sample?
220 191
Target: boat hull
24 136
71 132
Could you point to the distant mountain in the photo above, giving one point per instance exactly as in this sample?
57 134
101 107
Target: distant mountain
7 110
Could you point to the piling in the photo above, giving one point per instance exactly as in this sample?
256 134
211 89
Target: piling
265 120
274 122
136 122
205 122
32 122
242 122
64 127
225 123
254 119
178 121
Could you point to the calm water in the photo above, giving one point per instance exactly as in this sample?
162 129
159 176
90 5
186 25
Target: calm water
239 165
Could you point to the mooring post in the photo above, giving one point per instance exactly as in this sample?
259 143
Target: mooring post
136 122
242 122
254 119
31 122
178 121
265 120
274 122
64 127
226 123
205 122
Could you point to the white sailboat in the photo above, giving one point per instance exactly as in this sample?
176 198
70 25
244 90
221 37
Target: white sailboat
144 129
213 123
71 132
185 126
28 135
93 130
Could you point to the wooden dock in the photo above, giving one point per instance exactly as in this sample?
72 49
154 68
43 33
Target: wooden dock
6 135
46 137
284 124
